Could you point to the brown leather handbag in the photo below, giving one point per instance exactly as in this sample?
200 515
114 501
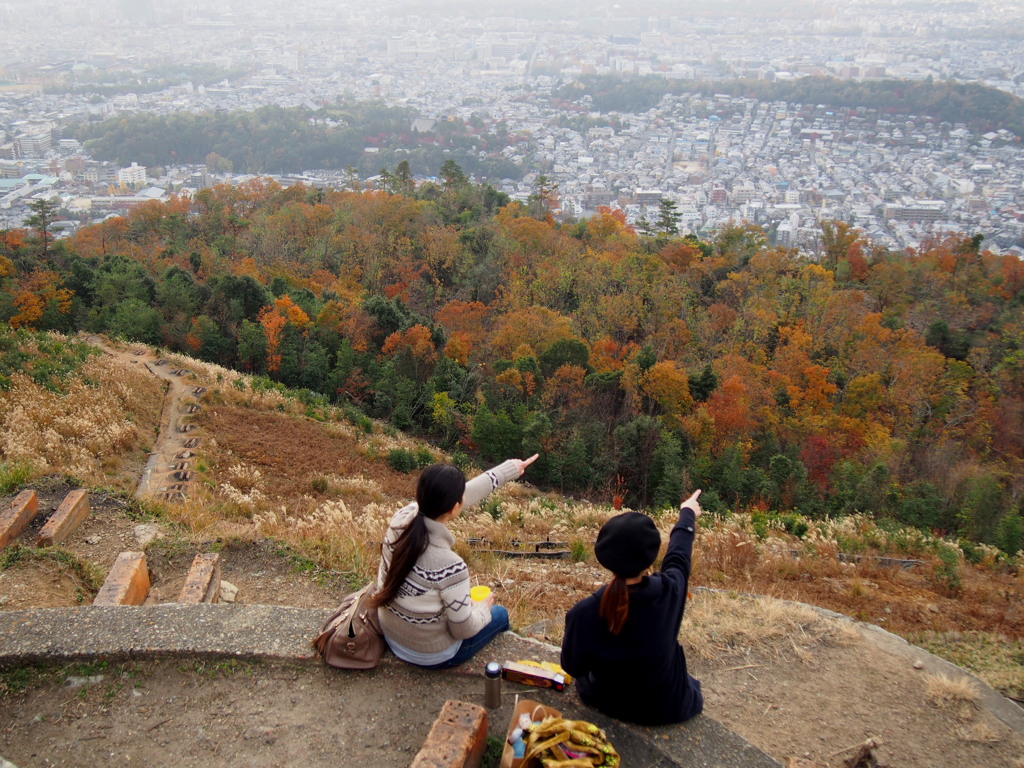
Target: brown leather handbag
351 638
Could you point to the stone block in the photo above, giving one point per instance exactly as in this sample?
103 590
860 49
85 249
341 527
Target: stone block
457 739
62 523
17 515
127 583
202 583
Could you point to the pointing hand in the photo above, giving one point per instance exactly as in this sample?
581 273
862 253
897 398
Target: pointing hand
524 463
693 504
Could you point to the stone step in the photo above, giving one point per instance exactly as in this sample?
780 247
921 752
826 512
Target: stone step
63 522
202 583
17 515
127 583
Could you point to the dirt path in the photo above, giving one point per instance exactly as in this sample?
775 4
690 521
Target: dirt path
168 471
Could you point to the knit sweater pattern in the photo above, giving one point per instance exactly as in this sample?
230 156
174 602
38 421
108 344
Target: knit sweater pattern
433 610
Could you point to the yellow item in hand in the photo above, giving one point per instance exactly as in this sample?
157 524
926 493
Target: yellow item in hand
479 593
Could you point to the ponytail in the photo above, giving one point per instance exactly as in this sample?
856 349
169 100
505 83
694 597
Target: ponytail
615 604
406 550
439 488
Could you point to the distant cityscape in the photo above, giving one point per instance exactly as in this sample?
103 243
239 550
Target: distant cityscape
720 159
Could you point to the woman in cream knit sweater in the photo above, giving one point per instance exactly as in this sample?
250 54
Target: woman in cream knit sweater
422 596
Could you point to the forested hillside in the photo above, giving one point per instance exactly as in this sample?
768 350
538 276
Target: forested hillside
888 383
292 140
978 106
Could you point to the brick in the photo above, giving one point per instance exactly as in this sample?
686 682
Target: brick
62 523
457 739
17 516
202 583
127 583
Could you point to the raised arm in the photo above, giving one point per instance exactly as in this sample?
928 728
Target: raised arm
494 478
680 541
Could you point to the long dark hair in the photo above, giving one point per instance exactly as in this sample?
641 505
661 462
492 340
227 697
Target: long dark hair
439 488
615 604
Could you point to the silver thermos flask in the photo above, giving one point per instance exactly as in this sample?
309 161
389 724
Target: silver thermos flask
492 685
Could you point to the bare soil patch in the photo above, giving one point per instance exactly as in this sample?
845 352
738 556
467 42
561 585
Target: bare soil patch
41 584
290 452
231 713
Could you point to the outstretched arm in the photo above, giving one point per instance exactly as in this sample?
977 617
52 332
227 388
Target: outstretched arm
494 478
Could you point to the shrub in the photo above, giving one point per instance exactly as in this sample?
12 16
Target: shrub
491 507
1010 533
794 525
402 460
462 461
760 523
578 551
319 484
946 573
424 457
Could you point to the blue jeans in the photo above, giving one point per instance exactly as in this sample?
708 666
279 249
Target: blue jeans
471 645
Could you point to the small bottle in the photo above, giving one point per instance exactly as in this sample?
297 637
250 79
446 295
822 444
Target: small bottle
492 685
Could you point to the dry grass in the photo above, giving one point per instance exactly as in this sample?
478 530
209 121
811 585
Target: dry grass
995 658
106 415
944 690
980 732
722 627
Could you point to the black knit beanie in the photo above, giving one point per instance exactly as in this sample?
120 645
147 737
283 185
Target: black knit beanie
627 544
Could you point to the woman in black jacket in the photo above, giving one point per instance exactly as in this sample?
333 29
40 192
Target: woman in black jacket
622 642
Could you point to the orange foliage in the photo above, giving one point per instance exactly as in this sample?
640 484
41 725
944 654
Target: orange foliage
679 255
565 391
858 265
292 312
274 318
608 355
349 320
607 224
416 340
13 239
458 347
534 327
30 309
247 266
667 386
37 288
465 317
729 407
1012 272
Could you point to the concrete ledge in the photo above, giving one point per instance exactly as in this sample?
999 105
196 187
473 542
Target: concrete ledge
62 523
147 631
202 584
127 583
457 739
17 515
